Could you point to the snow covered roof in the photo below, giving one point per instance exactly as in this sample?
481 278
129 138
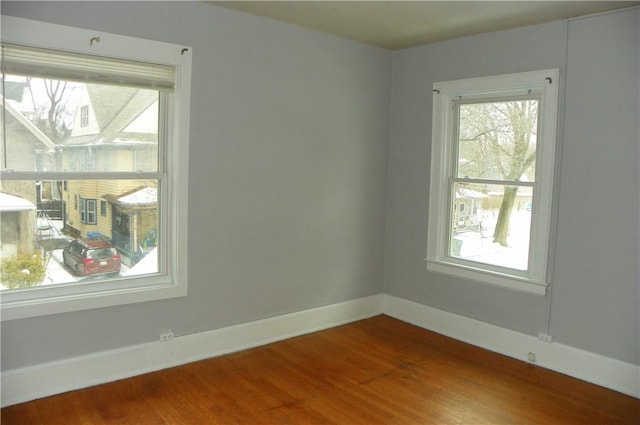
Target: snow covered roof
144 196
462 193
11 107
14 203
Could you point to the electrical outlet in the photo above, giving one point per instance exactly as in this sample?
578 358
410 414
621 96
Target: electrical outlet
165 336
532 357
542 336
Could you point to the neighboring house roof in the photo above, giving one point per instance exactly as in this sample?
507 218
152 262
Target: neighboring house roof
115 110
14 203
145 196
462 193
142 196
40 136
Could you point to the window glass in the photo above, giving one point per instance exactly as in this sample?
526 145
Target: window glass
101 253
497 140
475 224
82 128
121 132
496 158
129 228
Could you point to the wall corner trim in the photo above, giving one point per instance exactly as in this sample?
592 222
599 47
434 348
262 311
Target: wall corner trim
587 366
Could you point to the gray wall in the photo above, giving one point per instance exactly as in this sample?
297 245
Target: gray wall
294 177
288 175
594 298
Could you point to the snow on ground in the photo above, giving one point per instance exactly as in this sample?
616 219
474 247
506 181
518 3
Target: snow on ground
52 238
479 246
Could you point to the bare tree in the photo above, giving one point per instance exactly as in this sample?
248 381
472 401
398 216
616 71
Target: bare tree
54 116
498 143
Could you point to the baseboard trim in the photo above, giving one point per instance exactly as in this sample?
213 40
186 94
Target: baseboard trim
594 368
30 383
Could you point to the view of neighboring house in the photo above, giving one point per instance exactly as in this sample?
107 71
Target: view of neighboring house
470 204
32 150
467 208
115 130
18 198
134 221
17 230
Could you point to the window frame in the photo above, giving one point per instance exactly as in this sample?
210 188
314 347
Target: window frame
84 116
86 212
172 279
443 154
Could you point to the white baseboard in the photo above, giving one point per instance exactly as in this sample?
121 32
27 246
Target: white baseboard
597 369
30 383
43 380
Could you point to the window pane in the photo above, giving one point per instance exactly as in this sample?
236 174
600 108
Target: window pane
91 211
44 240
83 210
497 140
481 230
56 125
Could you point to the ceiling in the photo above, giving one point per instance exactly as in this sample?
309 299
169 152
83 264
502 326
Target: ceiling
397 25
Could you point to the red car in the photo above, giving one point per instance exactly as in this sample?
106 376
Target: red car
89 256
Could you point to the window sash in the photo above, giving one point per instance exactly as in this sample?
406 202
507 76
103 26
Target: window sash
456 104
450 235
83 210
91 211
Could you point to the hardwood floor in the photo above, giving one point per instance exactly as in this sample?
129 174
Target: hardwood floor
376 371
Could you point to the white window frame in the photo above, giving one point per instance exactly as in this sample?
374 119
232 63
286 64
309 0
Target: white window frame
171 280
535 279
84 116
86 212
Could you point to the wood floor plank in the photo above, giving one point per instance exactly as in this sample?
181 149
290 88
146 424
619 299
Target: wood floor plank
375 371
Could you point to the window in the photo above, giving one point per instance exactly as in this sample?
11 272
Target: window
138 91
88 211
492 164
84 116
90 160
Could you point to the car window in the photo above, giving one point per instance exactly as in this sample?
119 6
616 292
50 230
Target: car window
100 254
76 248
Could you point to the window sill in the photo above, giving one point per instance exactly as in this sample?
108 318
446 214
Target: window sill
20 309
501 280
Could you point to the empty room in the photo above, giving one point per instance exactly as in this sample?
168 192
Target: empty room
376 212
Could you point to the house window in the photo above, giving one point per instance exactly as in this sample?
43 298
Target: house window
88 211
84 116
492 163
133 84
89 158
